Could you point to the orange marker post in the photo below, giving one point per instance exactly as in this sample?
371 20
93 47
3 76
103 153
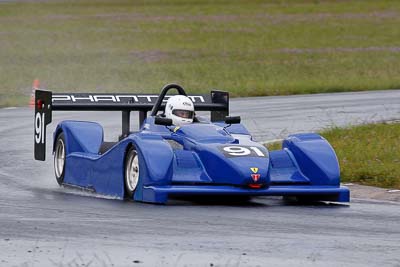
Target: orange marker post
35 86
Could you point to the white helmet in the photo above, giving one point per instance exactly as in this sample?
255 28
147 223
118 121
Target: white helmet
180 109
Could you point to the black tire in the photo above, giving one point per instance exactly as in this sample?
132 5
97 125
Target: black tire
59 158
131 172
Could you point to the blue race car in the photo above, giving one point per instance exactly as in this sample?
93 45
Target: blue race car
215 156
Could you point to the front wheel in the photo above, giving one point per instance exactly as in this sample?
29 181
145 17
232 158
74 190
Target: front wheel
59 158
132 171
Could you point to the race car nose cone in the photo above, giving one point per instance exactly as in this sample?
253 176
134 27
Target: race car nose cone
255 177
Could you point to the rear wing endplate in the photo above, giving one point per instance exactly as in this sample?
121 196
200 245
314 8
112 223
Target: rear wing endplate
43 116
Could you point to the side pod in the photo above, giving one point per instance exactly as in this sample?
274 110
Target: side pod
316 158
81 136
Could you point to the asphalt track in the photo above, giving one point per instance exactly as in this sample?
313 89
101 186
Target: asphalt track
42 224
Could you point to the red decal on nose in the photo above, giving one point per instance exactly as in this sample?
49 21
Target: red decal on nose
255 177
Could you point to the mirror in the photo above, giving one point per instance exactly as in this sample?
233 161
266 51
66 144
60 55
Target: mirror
232 119
162 121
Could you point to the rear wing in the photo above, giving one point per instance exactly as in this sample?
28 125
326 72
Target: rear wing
46 102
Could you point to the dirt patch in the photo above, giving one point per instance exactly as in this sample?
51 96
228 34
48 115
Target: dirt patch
235 17
272 18
339 49
150 55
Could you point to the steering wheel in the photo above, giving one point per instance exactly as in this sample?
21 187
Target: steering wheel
161 97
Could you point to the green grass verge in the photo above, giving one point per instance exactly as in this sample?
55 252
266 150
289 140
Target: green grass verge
248 47
368 154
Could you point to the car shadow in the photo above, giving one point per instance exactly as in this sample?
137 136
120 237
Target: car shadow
67 192
326 204
234 201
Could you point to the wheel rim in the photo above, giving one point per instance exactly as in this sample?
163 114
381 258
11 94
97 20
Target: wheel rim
132 172
59 158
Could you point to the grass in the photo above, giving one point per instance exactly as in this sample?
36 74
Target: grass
250 47
368 154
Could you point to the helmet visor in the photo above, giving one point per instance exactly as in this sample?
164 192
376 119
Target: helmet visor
186 114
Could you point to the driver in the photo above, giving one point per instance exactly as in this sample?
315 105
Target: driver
180 110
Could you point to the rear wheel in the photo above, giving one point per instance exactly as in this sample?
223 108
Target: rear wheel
132 171
59 158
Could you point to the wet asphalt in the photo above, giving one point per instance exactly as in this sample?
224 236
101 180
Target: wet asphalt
42 224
